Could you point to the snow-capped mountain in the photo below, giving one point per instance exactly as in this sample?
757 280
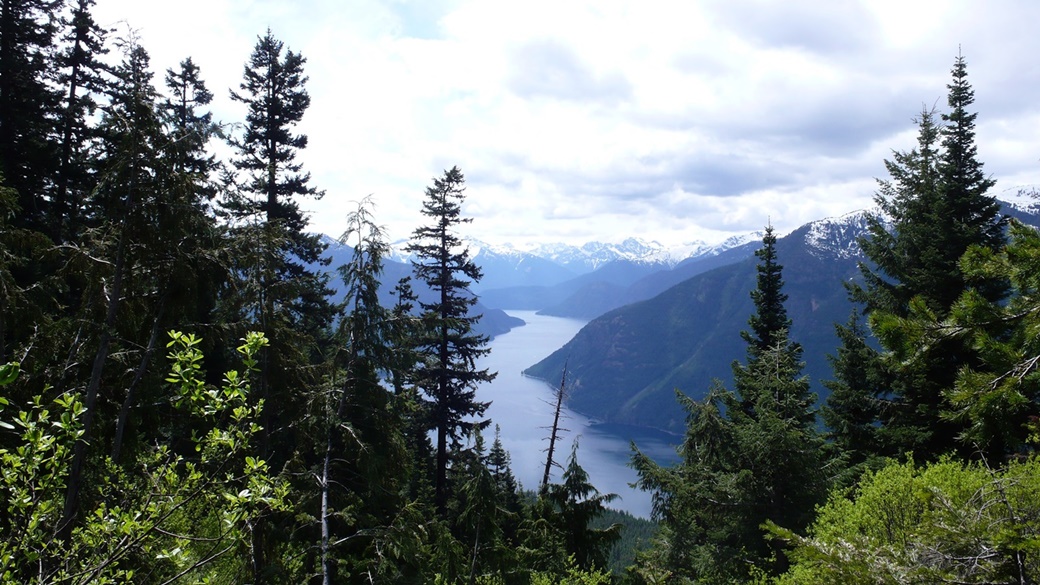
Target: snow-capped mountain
549 264
593 255
837 237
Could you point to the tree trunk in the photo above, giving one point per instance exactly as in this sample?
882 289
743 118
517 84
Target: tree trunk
142 368
553 435
90 399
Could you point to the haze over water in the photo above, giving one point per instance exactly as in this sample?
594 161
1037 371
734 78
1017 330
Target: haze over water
523 408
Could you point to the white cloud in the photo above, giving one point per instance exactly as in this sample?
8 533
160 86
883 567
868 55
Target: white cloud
604 119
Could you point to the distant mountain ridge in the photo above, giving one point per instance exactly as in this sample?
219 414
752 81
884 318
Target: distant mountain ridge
493 321
625 365
572 261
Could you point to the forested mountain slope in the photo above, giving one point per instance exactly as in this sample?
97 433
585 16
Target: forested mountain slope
625 365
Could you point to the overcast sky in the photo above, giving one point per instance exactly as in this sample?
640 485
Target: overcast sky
599 120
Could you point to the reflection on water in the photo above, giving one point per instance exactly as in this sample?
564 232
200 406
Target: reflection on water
523 408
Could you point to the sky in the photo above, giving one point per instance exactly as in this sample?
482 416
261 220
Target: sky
598 120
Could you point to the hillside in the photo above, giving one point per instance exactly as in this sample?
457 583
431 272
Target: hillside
493 321
626 278
625 365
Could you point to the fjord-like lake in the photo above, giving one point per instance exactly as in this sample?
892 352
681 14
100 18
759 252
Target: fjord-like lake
523 408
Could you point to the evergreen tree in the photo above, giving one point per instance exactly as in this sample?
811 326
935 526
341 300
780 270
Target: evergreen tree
577 504
28 107
769 323
770 316
81 76
448 374
191 129
480 515
996 398
279 291
851 413
149 216
747 457
28 104
19 248
279 286
976 218
363 468
935 207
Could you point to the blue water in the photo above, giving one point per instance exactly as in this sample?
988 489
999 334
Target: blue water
523 408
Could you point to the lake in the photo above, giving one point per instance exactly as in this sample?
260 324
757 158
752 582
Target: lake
523 408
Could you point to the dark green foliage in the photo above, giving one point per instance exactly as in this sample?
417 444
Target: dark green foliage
934 208
851 413
577 504
360 471
447 374
636 535
770 316
191 129
276 290
28 104
995 398
21 311
747 457
82 79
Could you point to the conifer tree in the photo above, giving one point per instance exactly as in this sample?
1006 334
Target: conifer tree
997 396
577 504
28 104
191 129
82 77
448 374
280 288
747 457
770 316
934 208
363 466
141 200
769 323
851 413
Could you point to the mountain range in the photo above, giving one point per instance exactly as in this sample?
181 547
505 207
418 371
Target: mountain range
664 318
625 365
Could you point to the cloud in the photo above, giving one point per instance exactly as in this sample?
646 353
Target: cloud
549 68
596 119
821 28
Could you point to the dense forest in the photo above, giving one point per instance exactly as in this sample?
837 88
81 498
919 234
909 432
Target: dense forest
185 400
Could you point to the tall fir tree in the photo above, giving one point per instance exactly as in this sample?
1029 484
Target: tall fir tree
279 285
82 78
279 291
577 504
448 375
770 316
28 104
934 208
148 232
748 456
363 468
852 412
191 128
769 323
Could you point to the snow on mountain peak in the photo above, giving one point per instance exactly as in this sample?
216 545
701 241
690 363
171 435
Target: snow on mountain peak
837 236
592 255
